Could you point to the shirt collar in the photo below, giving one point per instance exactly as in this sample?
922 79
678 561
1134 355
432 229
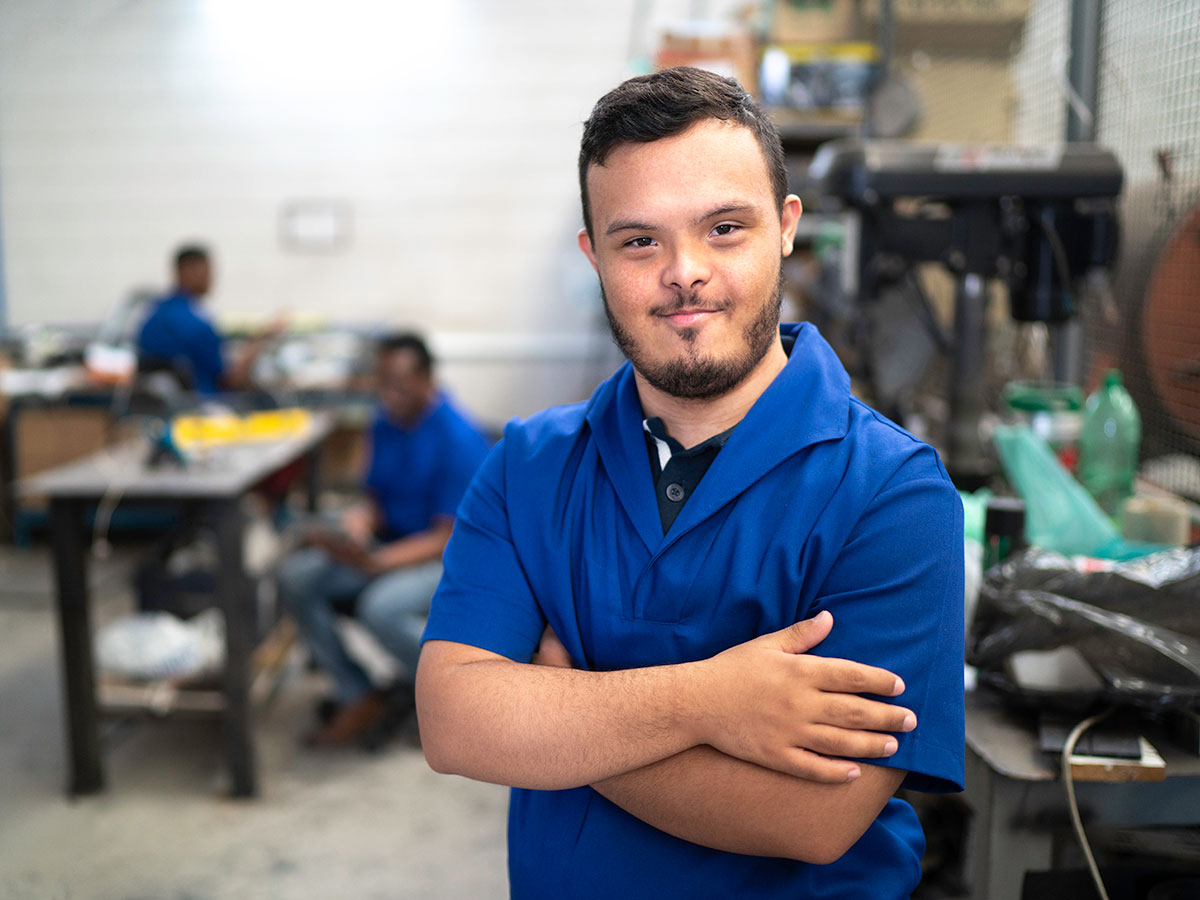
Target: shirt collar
438 401
667 447
808 402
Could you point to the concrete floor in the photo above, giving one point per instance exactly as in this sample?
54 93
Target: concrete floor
328 824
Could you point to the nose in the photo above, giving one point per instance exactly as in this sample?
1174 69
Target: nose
687 268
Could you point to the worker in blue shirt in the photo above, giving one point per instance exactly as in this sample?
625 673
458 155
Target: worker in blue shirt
708 622
177 333
383 561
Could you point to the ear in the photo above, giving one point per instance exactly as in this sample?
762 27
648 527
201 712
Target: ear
792 210
585 244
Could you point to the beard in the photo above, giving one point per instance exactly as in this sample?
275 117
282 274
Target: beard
693 376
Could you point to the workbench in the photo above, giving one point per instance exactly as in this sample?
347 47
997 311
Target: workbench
208 492
1019 803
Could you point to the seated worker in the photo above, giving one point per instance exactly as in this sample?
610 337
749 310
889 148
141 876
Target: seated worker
178 334
743 586
385 560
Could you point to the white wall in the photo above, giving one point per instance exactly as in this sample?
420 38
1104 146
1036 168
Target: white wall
450 128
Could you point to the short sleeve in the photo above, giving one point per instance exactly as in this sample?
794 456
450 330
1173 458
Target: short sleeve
896 595
485 599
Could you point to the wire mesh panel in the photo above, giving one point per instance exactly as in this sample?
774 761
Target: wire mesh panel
1149 115
1039 73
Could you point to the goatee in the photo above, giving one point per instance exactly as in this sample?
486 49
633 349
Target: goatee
701 377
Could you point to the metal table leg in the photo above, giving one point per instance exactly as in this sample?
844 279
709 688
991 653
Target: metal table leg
312 478
1001 847
75 635
236 600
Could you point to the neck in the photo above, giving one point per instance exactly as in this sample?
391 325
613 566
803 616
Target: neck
692 421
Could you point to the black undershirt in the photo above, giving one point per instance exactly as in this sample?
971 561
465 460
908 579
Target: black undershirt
678 480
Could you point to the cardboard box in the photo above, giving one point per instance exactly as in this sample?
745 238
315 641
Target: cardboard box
812 21
55 435
731 54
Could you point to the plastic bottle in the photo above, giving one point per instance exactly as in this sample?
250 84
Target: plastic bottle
1108 446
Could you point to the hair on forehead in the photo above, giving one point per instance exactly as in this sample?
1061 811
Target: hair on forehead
410 342
190 254
667 103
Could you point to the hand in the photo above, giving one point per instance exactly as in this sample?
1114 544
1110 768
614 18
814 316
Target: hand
278 324
344 549
358 523
551 652
774 705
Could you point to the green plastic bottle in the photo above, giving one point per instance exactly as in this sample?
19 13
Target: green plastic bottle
1108 446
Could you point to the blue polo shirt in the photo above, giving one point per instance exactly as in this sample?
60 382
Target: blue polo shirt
815 502
419 472
177 331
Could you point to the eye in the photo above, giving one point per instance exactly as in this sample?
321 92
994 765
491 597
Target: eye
725 228
640 242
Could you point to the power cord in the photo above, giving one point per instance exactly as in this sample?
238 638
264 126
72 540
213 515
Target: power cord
1073 805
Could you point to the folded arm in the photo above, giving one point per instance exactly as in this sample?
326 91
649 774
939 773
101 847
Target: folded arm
708 798
765 701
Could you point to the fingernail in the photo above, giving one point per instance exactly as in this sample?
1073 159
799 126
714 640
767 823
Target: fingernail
824 615
853 774
899 688
890 746
910 722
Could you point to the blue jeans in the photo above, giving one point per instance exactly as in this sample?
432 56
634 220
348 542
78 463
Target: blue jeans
392 607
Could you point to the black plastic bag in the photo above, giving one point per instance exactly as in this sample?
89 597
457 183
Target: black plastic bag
1136 623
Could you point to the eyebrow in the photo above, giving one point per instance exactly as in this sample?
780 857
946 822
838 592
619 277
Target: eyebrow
633 225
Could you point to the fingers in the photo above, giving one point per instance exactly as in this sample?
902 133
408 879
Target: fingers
830 741
815 767
849 711
804 635
847 677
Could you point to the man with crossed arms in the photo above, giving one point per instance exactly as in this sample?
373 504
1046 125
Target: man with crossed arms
743 586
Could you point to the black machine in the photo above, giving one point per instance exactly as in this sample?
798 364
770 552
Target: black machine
1040 218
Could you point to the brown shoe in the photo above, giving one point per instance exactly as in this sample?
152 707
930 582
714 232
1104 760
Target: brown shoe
350 722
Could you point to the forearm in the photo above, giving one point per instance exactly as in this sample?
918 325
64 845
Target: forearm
237 376
492 719
414 549
708 798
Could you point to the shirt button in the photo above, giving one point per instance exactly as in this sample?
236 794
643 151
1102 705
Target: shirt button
675 492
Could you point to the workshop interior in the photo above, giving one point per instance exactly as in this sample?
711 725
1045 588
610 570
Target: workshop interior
1000 239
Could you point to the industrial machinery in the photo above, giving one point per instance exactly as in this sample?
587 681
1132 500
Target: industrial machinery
1041 219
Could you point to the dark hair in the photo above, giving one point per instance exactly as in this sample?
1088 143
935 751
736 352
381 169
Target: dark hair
190 253
651 107
411 342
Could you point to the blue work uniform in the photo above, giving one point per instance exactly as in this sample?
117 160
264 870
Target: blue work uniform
418 473
177 332
814 502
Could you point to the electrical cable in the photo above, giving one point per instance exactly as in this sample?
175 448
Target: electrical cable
924 310
114 462
1073 805
1057 249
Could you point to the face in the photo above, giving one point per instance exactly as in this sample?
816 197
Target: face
687 242
195 277
404 390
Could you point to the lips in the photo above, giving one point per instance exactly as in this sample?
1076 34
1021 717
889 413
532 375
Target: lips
687 317
685 311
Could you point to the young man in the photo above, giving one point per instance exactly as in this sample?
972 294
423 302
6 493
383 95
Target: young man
178 333
384 562
746 585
